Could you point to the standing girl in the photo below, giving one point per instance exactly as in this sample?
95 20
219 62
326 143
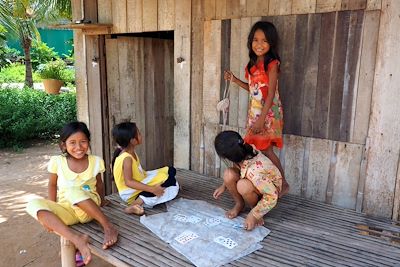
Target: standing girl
80 193
265 115
136 186
257 182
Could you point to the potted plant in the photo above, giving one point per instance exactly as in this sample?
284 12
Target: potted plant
52 74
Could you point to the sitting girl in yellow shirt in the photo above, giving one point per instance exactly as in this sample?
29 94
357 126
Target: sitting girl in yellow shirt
136 186
80 193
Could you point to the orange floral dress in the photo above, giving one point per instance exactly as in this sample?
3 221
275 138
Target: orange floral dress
271 134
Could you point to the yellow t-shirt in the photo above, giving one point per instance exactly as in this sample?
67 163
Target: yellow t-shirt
138 174
68 179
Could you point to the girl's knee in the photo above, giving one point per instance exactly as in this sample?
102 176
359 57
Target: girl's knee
244 186
231 175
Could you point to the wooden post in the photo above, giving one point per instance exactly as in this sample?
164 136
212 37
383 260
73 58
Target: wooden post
67 253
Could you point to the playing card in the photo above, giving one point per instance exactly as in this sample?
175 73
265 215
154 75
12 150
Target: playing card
186 237
212 221
225 241
193 219
180 218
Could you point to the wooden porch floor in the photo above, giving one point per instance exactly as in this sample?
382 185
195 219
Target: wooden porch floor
303 233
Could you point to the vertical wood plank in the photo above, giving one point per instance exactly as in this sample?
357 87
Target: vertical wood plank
257 8
167 118
166 15
328 6
347 175
104 11
396 204
150 98
293 166
225 59
211 91
107 150
134 15
328 33
235 66
209 9
286 27
318 168
382 145
119 16
337 76
366 76
353 4
304 6
94 95
196 111
374 5
113 84
279 7
245 26
182 38
351 74
150 15
137 65
220 9
310 73
297 71
233 9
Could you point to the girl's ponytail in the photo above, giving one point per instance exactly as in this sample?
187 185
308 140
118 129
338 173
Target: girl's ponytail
115 155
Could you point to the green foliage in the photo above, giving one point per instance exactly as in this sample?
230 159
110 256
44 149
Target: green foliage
41 54
29 114
15 73
53 70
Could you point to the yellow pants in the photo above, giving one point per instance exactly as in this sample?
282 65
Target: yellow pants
66 208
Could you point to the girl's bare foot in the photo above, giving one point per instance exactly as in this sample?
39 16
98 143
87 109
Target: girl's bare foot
234 212
135 209
82 244
110 236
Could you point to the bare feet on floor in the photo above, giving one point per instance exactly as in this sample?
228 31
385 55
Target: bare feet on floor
110 236
135 209
82 244
234 212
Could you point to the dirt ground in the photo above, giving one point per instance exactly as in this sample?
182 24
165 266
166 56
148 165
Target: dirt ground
23 176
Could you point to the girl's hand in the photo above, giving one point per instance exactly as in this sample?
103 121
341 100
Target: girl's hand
257 126
219 191
228 75
251 222
158 190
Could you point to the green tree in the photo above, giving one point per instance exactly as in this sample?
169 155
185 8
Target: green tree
20 17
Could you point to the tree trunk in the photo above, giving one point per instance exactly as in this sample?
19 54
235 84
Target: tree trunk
26 44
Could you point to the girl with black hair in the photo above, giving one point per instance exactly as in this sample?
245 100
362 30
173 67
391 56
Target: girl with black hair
136 186
76 191
265 114
254 180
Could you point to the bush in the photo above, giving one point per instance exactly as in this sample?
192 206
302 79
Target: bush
41 54
53 70
29 114
15 73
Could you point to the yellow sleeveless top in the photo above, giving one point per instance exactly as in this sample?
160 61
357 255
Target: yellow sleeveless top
138 174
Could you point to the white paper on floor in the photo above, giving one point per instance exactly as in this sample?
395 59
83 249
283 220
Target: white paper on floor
201 232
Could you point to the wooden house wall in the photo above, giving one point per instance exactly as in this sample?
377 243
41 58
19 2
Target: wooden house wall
329 54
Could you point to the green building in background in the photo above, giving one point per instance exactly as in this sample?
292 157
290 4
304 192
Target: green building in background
60 39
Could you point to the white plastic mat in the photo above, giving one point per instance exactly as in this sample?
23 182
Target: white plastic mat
201 232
